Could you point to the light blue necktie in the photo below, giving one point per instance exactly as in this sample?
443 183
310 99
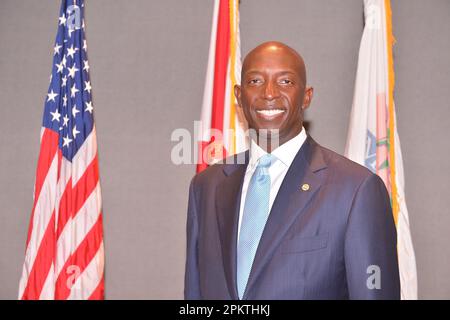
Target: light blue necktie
256 211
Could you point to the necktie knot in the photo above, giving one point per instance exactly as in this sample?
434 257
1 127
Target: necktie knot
264 163
266 160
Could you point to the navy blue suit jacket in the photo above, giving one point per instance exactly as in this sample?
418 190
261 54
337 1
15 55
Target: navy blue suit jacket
336 240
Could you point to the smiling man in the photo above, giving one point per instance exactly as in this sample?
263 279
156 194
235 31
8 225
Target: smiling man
296 220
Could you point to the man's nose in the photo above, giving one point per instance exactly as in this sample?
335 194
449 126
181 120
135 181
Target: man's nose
271 90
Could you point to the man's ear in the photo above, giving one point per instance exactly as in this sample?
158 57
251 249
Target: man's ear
237 93
308 97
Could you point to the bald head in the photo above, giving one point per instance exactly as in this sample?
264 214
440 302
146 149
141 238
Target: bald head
272 49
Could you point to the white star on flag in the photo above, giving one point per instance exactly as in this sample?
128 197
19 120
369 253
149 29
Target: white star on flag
67 141
62 20
74 90
71 51
72 71
66 120
75 111
56 49
60 67
75 132
87 86
86 66
70 31
89 107
51 96
55 115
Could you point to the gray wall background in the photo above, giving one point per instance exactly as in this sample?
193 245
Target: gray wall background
148 62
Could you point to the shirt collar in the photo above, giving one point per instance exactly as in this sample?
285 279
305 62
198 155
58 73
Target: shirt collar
285 153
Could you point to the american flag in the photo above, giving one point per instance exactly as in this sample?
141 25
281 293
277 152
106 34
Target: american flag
64 256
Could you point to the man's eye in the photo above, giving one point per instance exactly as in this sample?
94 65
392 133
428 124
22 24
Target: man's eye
254 81
286 81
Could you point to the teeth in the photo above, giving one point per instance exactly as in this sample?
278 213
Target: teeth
270 112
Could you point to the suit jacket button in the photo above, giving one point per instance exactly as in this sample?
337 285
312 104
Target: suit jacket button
305 187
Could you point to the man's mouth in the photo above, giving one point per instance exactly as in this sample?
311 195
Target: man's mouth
270 113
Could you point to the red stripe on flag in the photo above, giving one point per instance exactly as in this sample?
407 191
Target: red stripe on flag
84 187
42 263
221 63
99 292
49 147
65 208
80 259
59 163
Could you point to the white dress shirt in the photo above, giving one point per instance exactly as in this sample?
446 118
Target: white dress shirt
284 154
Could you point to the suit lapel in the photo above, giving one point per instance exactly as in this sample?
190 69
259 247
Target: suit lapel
228 198
289 204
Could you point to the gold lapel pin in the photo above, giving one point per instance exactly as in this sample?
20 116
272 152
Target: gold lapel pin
305 187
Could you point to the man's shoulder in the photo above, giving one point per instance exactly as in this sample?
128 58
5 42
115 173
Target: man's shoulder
346 177
343 168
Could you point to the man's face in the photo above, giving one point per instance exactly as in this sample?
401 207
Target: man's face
272 91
